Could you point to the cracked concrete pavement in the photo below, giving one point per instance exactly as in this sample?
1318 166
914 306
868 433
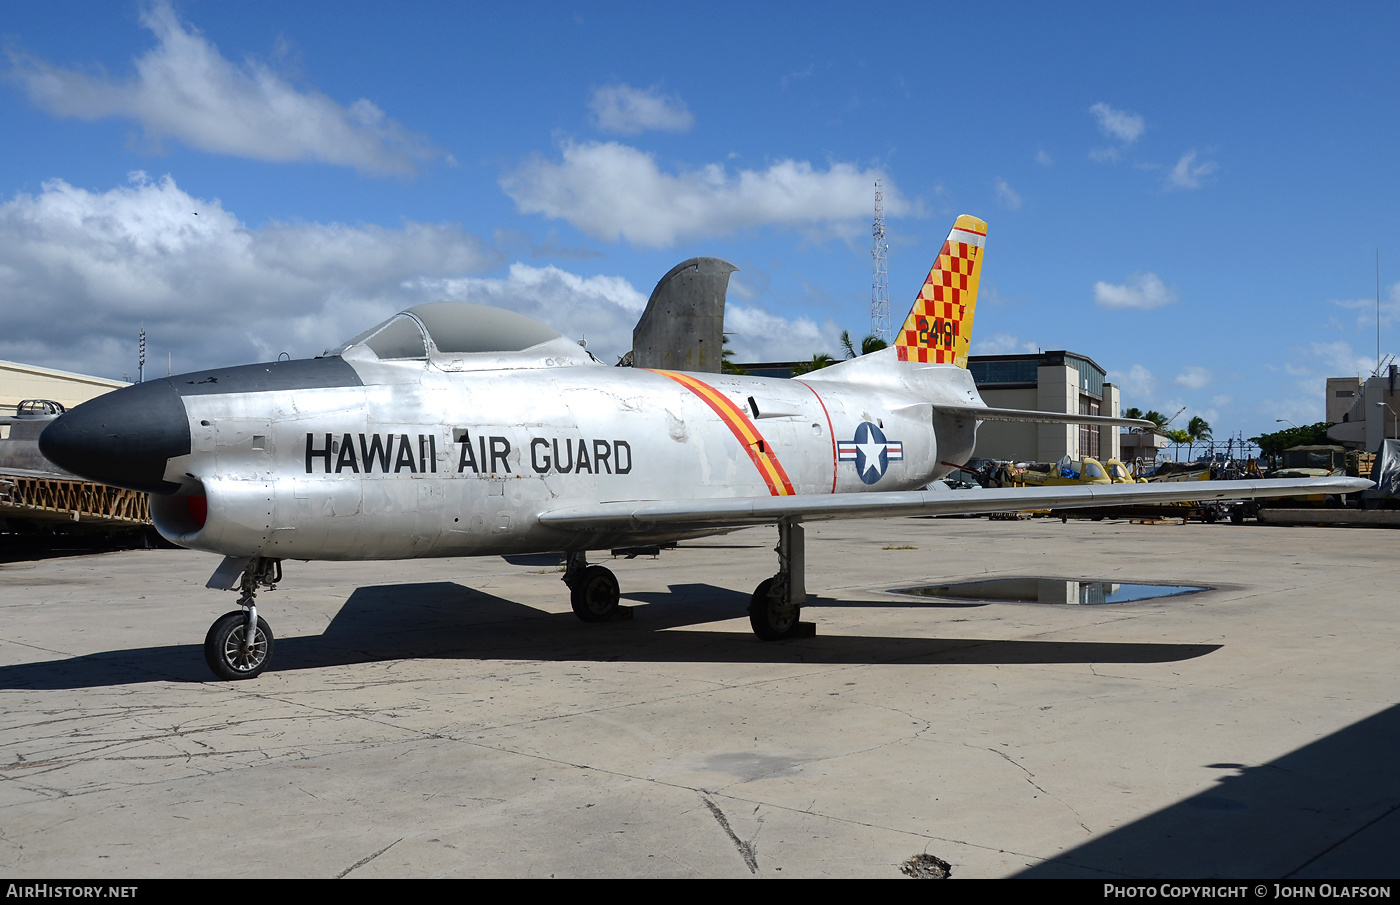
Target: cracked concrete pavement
453 718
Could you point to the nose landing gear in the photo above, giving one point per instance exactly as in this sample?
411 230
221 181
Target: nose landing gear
239 643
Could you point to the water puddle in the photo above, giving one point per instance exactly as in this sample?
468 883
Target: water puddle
1051 590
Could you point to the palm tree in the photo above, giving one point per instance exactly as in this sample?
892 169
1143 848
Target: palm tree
725 365
870 344
819 361
1156 418
1177 436
1197 430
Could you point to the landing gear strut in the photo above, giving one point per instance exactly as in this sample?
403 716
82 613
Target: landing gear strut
239 643
777 602
593 590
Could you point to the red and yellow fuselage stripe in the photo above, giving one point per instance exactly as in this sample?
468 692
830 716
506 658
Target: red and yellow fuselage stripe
742 428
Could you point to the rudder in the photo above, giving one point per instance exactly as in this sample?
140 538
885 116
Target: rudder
939 326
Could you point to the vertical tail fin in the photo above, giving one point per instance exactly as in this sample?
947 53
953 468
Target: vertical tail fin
939 326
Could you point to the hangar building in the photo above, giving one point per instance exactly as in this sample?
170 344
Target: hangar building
22 381
1049 382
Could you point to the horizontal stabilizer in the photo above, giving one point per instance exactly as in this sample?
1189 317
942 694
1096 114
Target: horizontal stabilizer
689 515
983 413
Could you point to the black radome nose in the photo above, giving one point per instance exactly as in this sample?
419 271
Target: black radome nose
123 438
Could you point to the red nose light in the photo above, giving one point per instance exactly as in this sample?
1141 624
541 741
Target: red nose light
199 508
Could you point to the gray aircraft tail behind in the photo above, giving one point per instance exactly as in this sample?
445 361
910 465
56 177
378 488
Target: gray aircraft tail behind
682 328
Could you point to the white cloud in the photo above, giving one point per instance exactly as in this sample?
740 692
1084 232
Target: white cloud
1138 385
604 309
185 89
1366 308
1000 344
1187 174
1195 378
600 309
81 271
800 74
758 335
1142 290
611 191
1042 158
1119 125
627 110
1305 405
1007 196
1342 361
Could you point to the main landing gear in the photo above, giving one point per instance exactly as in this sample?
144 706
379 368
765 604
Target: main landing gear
777 602
239 644
593 590
774 609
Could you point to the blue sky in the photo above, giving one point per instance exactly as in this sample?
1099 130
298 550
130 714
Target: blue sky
1191 194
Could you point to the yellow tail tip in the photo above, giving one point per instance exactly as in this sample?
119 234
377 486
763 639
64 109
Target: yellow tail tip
971 224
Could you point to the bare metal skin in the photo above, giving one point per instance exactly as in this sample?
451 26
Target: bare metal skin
458 430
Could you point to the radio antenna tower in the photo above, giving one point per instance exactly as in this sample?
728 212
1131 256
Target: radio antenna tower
880 286
141 358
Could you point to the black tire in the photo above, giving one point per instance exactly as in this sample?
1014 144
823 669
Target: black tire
768 623
594 595
225 652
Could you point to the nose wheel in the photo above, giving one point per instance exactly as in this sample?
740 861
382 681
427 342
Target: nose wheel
239 644
232 652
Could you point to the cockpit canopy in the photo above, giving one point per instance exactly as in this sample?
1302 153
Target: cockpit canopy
451 329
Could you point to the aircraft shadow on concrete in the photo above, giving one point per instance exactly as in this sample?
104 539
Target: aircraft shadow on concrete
1329 810
444 620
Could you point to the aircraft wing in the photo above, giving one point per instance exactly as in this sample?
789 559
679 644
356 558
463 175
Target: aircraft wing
984 413
746 511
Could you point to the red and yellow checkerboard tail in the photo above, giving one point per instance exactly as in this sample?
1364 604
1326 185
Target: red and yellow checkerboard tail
939 326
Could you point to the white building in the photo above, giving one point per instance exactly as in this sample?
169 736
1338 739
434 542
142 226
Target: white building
1365 413
21 381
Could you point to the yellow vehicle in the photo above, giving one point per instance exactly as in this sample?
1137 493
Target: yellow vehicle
1119 473
1067 471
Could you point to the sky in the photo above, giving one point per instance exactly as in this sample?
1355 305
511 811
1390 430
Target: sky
1193 195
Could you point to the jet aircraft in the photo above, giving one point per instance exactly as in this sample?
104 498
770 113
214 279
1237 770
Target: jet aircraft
453 429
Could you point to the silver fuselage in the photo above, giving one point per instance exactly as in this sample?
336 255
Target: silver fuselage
454 457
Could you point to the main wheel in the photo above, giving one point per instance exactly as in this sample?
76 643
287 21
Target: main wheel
229 655
770 618
594 595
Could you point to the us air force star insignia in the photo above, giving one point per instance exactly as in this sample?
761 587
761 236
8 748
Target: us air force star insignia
871 452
